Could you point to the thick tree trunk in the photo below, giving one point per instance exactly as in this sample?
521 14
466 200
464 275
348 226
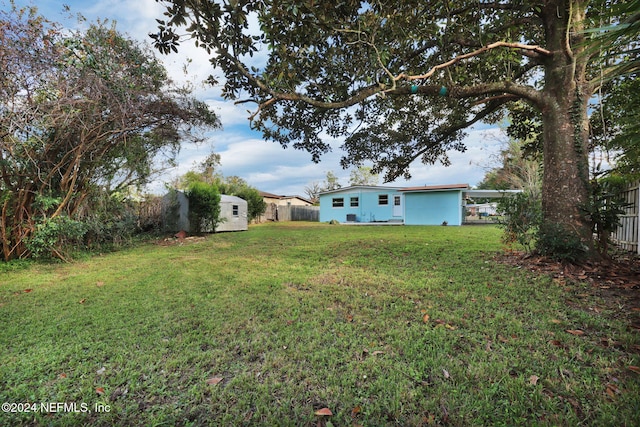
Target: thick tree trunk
565 186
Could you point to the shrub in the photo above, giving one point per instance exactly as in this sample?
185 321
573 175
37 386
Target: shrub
522 215
53 236
560 243
605 207
204 206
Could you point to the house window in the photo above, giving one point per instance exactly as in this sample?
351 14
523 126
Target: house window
338 202
383 199
396 200
355 202
235 209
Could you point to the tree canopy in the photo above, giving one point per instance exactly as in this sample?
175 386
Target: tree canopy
79 112
401 81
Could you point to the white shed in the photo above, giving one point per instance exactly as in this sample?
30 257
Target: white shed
175 213
233 214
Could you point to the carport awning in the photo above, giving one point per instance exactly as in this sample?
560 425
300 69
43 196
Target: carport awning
491 194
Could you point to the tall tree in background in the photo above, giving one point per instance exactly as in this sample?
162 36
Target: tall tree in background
79 113
312 191
363 175
402 80
331 182
516 170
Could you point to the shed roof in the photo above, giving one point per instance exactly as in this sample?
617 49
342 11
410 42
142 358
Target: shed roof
232 199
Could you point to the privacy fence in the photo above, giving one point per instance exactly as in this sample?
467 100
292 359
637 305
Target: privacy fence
628 233
299 213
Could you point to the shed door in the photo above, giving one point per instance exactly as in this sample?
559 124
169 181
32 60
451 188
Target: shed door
397 205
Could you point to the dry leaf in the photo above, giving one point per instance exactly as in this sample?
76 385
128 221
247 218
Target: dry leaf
214 380
446 374
100 390
63 375
101 371
576 332
26 291
533 379
99 284
355 411
377 352
324 412
556 321
612 390
82 301
634 369
425 318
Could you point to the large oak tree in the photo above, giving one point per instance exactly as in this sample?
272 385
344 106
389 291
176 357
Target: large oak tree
401 81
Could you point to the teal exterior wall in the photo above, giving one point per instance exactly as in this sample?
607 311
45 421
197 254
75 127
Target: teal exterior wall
368 207
433 208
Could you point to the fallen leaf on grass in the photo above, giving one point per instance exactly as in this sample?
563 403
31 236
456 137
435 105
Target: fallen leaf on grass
324 412
576 332
634 369
556 321
101 371
99 284
446 374
82 301
377 352
214 380
63 375
26 291
425 318
612 390
100 390
533 379
556 343
355 411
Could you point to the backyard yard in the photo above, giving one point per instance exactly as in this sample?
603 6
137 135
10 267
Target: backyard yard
305 324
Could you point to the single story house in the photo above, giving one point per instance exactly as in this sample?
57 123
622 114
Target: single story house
175 213
426 205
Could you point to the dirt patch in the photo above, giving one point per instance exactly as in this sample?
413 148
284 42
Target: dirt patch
617 281
180 241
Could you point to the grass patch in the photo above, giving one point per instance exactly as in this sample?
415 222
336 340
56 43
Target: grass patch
382 325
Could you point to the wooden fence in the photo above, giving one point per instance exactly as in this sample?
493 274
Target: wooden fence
290 213
299 213
628 233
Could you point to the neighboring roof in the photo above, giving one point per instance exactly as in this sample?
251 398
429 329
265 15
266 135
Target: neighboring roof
360 187
436 188
264 194
270 195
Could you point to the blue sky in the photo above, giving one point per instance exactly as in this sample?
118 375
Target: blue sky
263 164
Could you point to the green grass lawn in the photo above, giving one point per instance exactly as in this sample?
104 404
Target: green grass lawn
382 325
